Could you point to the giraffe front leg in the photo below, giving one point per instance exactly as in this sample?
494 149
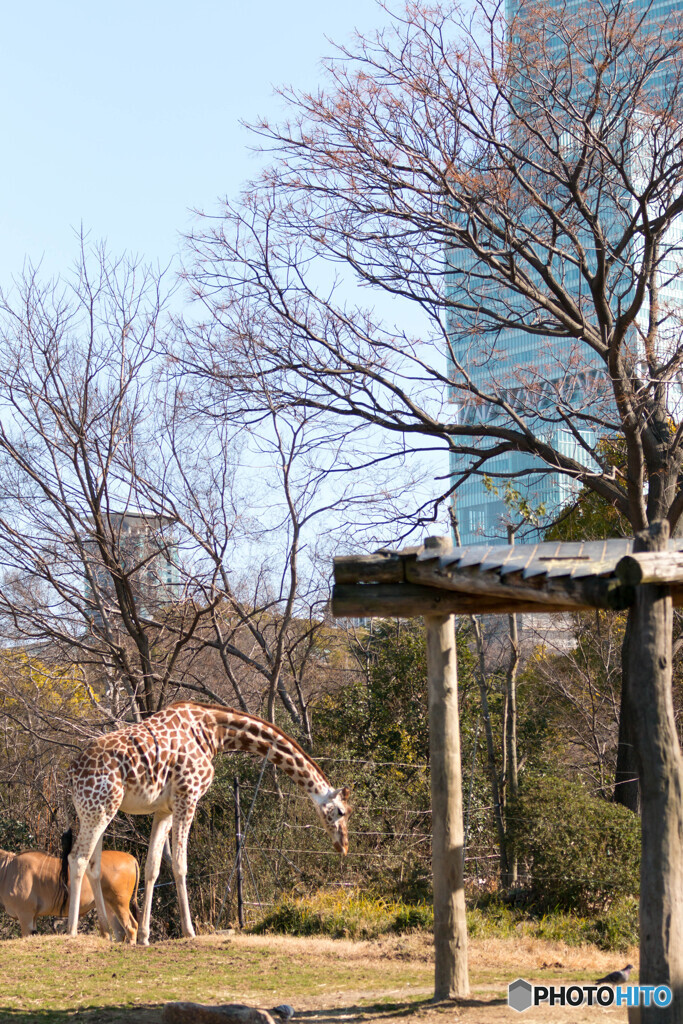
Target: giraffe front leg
182 819
160 828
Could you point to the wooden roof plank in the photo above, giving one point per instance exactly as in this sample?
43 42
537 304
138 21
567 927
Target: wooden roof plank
474 555
592 592
531 569
496 558
543 559
521 559
567 567
602 557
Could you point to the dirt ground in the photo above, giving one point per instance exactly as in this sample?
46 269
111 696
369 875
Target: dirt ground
54 980
492 965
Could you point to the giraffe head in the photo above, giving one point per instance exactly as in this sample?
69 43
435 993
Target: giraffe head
334 811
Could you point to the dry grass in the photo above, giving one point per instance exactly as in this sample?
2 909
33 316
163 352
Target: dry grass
535 955
52 980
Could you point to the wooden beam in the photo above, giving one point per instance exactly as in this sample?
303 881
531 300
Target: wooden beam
382 567
559 591
404 600
658 567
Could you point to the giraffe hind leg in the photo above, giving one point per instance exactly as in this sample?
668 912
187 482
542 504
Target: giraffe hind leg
89 838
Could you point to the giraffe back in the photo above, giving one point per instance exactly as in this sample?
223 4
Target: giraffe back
145 767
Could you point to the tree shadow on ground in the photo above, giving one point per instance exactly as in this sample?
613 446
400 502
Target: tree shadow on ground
377 1012
374 1013
143 1014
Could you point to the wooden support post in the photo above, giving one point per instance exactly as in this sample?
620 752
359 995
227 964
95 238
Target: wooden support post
451 978
661 780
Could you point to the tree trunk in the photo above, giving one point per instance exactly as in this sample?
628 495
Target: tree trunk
511 773
450 925
491 753
626 776
661 780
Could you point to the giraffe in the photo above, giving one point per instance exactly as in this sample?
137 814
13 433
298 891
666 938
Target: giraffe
163 766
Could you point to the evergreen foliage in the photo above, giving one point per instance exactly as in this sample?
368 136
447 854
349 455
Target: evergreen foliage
14 835
581 853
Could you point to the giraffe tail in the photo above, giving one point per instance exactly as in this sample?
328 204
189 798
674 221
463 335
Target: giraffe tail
67 843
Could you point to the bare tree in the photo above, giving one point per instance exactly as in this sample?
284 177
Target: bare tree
580 687
78 359
522 177
147 535
436 139
258 555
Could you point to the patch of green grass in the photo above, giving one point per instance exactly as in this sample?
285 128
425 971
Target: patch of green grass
354 916
49 980
617 928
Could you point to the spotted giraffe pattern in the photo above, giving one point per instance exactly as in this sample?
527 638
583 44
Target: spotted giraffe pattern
163 766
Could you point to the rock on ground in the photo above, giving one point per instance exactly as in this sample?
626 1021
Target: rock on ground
231 1013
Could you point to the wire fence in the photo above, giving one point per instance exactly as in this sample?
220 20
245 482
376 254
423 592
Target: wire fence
285 851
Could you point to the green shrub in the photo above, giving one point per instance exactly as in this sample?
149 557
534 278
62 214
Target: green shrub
14 835
618 927
342 915
615 929
408 918
581 853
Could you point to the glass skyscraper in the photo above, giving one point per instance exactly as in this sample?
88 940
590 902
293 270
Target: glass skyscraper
505 362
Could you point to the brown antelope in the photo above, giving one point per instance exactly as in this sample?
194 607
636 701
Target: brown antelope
34 884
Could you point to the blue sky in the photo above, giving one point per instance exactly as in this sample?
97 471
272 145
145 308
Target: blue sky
123 117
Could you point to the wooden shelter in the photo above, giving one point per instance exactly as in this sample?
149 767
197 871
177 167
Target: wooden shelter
437 581
486 579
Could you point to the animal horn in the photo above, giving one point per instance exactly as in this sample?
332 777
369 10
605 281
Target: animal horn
67 843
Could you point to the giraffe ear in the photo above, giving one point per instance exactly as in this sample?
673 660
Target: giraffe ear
345 793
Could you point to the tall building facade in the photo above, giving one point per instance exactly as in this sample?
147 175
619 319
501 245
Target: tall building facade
147 551
510 361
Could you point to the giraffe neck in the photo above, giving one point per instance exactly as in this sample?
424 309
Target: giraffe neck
217 728
233 730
